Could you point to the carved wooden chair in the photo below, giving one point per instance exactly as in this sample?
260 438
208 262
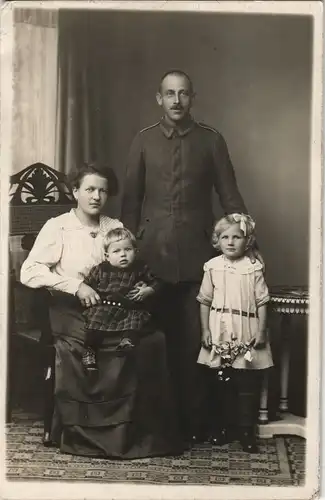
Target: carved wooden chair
37 193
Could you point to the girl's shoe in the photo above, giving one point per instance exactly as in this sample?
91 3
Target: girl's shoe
220 438
248 441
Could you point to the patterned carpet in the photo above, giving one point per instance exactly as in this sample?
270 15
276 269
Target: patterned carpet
280 462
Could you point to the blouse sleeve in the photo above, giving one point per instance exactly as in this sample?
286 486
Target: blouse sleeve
205 295
47 250
93 277
261 289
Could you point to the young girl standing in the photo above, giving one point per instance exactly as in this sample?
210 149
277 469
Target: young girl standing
233 306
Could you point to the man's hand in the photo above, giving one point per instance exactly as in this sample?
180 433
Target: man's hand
206 339
255 255
87 296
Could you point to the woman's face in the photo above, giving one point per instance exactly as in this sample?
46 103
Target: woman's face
92 194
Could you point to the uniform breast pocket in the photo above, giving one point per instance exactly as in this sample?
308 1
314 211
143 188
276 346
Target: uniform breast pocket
145 225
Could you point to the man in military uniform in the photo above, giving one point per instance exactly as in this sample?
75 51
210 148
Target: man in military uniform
172 169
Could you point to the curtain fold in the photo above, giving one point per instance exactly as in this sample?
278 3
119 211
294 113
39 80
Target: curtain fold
35 87
82 115
72 98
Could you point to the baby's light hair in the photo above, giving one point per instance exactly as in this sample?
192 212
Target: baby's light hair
229 220
119 234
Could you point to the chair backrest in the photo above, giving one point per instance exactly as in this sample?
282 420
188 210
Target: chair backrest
36 194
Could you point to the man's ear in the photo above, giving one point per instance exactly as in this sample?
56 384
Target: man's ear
159 98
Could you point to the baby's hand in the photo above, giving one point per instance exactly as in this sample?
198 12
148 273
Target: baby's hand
135 289
260 340
140 292
206 339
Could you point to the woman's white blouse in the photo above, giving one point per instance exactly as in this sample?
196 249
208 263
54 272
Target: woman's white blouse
64 252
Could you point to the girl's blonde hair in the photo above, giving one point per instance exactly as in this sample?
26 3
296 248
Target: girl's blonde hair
247 225
118 234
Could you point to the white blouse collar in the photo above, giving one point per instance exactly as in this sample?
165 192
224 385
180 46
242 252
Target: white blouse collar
74 223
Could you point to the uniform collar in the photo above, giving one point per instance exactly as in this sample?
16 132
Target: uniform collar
181 130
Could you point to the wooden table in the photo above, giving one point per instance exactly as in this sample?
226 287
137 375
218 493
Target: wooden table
287 301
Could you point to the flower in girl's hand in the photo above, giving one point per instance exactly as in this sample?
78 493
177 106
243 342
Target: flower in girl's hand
228 352
248 356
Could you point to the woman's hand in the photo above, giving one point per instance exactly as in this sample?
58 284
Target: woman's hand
87 296
140 292
206 339
260 340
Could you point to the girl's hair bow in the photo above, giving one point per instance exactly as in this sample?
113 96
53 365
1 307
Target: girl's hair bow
246 223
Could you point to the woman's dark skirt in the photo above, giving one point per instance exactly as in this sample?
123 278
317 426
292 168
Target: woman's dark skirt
125 410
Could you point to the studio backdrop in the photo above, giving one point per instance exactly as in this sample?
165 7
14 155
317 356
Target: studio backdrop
85 83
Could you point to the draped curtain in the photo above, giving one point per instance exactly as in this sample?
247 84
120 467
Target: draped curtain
82 131
35 87
59 90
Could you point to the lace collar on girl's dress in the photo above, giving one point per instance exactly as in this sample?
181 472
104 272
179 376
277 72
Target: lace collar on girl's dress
240 266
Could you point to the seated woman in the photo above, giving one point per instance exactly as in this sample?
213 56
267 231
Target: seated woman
126 411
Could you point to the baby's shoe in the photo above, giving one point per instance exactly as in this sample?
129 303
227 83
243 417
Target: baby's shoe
89 360
125 344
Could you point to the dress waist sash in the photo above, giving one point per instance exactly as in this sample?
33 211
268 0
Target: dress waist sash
234 311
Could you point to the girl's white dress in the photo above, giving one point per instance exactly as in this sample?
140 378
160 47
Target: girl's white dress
234 290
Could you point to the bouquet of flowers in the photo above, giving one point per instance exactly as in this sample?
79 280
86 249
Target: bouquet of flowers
228 352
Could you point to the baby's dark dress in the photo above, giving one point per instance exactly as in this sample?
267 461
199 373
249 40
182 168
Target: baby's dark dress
117 313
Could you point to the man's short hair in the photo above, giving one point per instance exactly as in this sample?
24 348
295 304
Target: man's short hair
177 72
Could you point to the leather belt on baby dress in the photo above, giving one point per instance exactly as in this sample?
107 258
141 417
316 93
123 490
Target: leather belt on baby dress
123 302
234 311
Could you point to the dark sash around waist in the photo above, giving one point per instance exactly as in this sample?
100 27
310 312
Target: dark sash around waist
121 301
234 311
